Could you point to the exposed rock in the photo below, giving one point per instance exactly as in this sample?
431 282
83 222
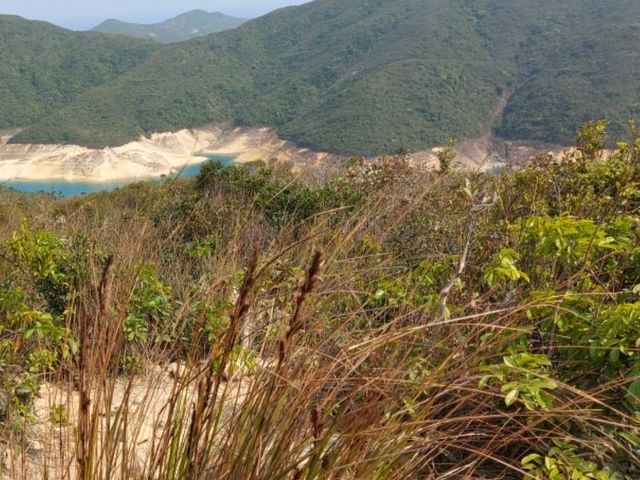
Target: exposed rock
35 448
164 153
159 154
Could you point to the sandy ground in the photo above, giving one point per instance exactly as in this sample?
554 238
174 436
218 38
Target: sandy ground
159 154
164 153
50 441
486 153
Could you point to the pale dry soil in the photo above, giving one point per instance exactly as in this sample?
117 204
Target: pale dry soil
158 154
165 153
47 449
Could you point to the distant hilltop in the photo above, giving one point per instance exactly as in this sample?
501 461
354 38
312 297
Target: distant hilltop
195 23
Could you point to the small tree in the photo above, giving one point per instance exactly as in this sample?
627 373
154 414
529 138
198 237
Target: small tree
446 156
592 137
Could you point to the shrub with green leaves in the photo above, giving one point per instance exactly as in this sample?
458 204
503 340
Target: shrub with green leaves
149 309
43 258
34 304
562 462
282 200
525 378
504 269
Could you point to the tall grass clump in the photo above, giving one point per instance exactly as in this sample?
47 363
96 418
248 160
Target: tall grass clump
385 323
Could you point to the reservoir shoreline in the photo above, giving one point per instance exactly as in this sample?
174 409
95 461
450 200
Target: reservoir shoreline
68 188
148 157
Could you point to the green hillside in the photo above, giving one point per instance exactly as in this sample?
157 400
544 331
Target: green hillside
43 67
367 76
195 23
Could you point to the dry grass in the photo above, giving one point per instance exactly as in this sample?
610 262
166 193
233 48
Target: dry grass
336 386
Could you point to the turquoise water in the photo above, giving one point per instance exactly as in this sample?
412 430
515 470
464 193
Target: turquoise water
71 189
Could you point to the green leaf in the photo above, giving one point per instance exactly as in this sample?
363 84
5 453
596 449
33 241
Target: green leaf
511 397
531 458
633 390
484 381
631 437
614 356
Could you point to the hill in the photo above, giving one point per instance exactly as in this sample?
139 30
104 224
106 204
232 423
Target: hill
189 25
44 67
368 76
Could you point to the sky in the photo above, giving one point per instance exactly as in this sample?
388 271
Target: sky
85 14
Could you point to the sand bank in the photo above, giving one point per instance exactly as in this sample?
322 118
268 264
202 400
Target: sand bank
164 153
158 154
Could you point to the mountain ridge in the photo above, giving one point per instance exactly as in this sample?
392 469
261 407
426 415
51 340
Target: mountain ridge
185 26
375 76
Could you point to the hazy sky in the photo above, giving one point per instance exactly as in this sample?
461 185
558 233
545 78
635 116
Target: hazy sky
84 14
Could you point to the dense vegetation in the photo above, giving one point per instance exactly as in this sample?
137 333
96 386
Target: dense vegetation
371 76
381 322
195 23
43 67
